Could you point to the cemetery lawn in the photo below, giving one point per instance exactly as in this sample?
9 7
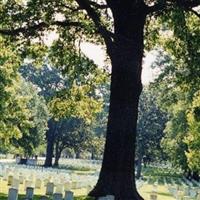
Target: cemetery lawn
145 191
162 192
38 197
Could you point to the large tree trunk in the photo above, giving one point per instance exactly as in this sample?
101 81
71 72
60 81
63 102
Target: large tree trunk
117 175
50 137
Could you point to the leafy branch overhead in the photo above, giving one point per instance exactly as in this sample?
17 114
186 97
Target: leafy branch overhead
31 17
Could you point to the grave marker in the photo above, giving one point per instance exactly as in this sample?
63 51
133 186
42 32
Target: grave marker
110 197
15 183
69 195
153 196
49 189
38 183
12 194
29 193
10 180
57 196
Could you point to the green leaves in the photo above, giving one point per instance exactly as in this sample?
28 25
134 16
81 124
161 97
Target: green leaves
193 137
76 102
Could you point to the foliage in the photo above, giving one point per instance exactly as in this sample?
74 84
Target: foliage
14 115
34 136
151 123
193 137
177 101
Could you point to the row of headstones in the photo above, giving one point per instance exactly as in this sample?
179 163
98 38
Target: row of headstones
184 192
13 195
180 193
46 173
15 182
30 170
50 186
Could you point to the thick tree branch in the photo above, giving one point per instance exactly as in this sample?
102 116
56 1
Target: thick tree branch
162 5
157 7
188 3
98 6
194 12
107 35
30 30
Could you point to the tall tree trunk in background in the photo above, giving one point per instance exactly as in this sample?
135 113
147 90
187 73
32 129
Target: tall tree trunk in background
58 151
92 155
78 154
195 176
117 175
50 138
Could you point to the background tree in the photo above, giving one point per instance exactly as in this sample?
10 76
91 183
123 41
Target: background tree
14 113
33 137
176 97
67 97
151 123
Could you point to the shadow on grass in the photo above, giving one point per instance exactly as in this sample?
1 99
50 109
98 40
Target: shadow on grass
38 197
161 194
20 197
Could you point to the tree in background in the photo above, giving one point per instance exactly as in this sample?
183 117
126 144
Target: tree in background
176 97
67 98
14 112
151 123
34 136
49 81
193 137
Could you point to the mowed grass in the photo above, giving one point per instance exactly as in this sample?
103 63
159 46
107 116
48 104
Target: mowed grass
162 192
80 194
4 188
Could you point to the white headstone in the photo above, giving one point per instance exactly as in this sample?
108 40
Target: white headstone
49 189
28 183
21 179
57 196
102 198
59 188
69 195
74 185
198 195
153 196
110 197
29 193
15 183
67 186
38 183
10 179
12 194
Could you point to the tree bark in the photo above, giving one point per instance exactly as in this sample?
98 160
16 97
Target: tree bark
50 137
92 155
58 152
195 176
78 154
117 175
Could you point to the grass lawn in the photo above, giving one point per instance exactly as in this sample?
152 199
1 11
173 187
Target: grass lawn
162 192
145 191
151 174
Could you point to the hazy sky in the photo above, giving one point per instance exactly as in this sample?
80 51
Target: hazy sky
97 54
